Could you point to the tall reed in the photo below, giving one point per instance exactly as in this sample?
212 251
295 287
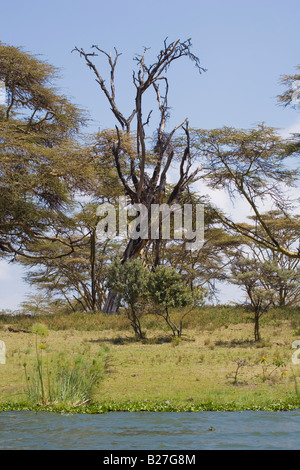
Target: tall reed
65 378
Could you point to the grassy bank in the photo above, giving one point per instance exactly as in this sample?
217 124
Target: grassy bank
216 365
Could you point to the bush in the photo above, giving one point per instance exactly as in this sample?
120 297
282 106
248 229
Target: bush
129 280
167 290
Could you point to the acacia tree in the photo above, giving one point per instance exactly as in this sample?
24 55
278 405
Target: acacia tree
278 273
253 165
79 278
40 160
291 94
144 179
250 164
250 275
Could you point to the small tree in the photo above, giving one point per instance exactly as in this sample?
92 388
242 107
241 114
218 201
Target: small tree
249 273
167 289
261 300
279 273
129 280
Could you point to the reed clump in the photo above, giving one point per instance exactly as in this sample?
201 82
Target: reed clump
62 378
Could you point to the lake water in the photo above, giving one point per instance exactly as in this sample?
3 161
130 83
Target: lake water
253 430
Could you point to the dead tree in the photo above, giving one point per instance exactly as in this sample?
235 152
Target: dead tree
144 186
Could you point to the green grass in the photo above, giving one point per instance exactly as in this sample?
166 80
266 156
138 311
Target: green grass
215 366
208 318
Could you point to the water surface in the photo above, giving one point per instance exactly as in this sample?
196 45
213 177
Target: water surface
253 430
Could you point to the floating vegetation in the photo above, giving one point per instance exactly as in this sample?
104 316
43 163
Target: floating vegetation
149 406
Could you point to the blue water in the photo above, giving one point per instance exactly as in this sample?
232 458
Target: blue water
253 430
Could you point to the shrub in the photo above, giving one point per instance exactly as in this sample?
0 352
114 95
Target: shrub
129 280
167 290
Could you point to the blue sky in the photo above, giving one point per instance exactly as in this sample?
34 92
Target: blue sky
245 46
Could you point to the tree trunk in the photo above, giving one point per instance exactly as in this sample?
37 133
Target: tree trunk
92 263
111 305
256 327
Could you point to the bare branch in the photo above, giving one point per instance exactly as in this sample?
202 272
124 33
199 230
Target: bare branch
116 151
125 123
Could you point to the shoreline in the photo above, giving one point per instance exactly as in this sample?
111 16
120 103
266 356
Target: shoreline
153 407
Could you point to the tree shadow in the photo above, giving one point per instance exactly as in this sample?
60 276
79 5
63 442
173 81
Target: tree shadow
119 340
236 343
155 340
